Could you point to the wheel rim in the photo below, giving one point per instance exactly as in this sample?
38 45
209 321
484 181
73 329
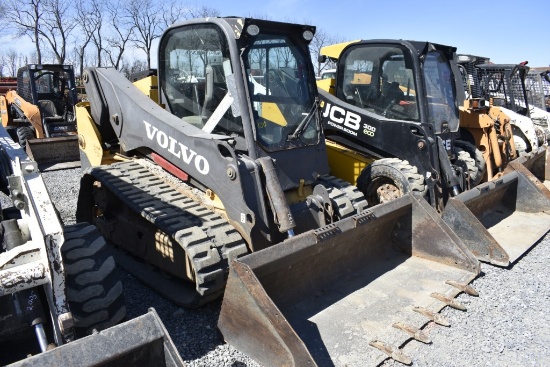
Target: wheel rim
382 191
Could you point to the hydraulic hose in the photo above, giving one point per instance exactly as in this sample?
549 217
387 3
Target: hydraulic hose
277 198
447 172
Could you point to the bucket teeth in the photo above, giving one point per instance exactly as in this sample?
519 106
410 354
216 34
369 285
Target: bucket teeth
391 351
435 317
448 301
466 288
413 332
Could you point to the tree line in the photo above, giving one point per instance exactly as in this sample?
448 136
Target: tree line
99 33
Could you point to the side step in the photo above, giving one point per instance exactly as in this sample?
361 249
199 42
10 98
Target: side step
501 219
142 341
350 293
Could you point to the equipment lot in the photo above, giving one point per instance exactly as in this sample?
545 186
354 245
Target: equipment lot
507 325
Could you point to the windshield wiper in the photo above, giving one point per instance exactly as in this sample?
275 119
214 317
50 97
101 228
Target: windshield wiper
304 123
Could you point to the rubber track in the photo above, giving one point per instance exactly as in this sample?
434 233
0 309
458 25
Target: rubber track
208 239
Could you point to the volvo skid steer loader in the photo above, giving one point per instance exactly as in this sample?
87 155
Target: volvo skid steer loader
392 117
231 171
59 284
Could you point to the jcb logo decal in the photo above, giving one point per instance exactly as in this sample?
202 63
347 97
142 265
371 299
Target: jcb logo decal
342 117
347 121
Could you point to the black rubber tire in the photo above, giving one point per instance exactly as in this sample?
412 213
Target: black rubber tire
468 153
24 133
393 173
5 170
12 132
94 290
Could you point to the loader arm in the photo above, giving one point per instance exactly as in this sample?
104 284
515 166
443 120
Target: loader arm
24 109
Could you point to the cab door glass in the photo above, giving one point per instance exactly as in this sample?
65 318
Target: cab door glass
195 68
440 91
380 80
282 92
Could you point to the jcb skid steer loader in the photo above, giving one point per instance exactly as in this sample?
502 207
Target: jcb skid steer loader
392 115
40 113
240 136
59 284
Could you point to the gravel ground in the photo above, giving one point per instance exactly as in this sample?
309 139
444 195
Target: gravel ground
507 325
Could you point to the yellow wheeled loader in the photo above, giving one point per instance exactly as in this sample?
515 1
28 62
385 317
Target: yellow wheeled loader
222 161
391 116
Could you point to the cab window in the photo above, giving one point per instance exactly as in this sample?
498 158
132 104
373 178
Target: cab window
281 91
380 80
195 68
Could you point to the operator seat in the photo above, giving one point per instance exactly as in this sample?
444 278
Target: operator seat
48 109
394 94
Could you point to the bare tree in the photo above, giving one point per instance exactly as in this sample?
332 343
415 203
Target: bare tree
321 39
173 12
120 35
257 58
11 62
56 26
90 20
2 64
25 18
203 11
146 18
132 66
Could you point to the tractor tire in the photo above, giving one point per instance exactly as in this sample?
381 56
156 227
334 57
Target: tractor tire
24 133
468 153
388 179
94 290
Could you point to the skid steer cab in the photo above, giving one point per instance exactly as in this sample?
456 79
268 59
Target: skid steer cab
502 87
391 119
